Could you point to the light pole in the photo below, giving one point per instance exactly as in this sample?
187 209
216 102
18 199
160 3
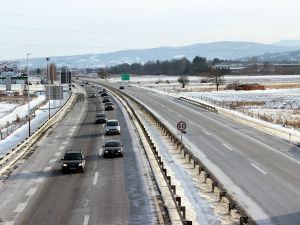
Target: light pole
28 83
48 77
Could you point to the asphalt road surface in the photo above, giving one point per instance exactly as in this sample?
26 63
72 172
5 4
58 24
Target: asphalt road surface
110 191
262 171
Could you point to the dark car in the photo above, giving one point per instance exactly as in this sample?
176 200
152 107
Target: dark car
121 87
101 118
109 106
73 160
106 99
92 95
104 94
100 90
112 148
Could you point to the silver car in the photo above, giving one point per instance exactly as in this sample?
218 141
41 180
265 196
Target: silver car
112 127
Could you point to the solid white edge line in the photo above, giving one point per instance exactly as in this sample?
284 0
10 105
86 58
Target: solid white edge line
205 132
47 168
227 147
95 178
259 169
86 220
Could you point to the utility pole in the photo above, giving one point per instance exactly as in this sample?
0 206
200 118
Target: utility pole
48 77
28 83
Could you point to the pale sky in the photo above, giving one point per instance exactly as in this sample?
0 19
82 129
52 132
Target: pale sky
69 27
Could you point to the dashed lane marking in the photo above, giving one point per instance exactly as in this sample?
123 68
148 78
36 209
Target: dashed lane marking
61 148
20 207
57 154
205 132
52 160
95 178
31 191
227 147
40 179
259 169
86 220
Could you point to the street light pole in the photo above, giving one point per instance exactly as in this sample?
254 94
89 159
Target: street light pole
48 77
28 83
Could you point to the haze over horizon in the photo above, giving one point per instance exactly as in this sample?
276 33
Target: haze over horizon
75 27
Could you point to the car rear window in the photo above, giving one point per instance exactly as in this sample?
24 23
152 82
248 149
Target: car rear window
113 123
73 156
101 115
113 144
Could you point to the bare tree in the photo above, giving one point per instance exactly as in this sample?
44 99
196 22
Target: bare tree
217 78
183 80
103 74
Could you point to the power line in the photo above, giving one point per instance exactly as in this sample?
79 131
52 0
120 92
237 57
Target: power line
120 34
142 23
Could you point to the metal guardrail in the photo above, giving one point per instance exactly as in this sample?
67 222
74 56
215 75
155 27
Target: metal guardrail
202 105
30 141
233 204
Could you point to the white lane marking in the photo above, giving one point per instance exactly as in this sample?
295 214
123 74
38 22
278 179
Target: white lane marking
259 169
40 180
52 160
86 220
57 154
205 132
31 191
227 147
95 178
47 168
65 143
20 207
9 222
61 148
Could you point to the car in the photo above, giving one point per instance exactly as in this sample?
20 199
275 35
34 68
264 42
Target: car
86 82
104 94
121 87
112 148
101 118
112 127
92 85
109 106
73 160
106 99
92 95
100 90
82 85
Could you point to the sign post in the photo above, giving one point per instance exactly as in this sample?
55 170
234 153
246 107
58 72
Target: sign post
181 126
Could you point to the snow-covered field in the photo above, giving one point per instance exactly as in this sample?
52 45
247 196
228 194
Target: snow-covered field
276 106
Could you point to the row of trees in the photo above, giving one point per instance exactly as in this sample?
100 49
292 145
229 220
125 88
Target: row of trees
174 67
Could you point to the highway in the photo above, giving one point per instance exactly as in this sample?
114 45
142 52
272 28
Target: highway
261 171
110 191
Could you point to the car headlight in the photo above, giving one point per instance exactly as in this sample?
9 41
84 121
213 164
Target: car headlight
80 164
106 151
64 165
119 150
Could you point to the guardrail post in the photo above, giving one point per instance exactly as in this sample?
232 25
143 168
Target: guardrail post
173 187
178 199
231 206
201 168
213 184
164 171
243 220
159 159
182 209
195 163
190 157
221 195
206 176
187 222
169 179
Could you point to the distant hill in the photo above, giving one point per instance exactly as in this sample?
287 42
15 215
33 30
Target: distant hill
291 56
221 50
290 43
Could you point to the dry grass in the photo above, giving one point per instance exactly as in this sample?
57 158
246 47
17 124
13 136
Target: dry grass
282 86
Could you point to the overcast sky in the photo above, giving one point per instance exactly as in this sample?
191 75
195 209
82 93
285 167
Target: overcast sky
69 27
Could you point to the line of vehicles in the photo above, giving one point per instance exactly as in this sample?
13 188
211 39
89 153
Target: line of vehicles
75 160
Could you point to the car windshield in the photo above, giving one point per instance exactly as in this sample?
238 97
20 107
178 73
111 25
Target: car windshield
101 115
113 123
73 156
113 144
109 103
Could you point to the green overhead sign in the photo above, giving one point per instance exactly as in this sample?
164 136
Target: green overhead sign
125 77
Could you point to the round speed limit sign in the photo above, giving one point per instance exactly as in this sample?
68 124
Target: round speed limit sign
181 126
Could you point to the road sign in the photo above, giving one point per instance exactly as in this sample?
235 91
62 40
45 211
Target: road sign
181 125
125 77
56 92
